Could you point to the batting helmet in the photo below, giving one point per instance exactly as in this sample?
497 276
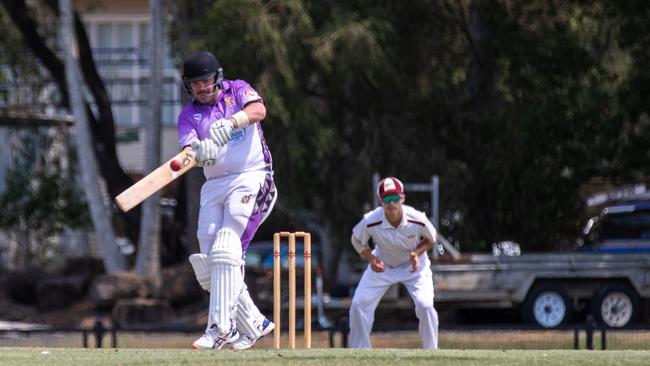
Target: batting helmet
200 66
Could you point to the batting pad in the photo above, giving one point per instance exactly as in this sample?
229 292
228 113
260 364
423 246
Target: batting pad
248 316
227 280
201 267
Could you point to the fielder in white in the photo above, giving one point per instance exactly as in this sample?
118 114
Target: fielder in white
221 123
401 236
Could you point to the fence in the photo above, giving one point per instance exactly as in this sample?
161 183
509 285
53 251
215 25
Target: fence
587 336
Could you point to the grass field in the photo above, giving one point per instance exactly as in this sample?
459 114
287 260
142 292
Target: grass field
325 357
467 339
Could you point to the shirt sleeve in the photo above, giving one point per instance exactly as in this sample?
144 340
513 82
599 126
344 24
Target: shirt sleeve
186 130
244 93
428 231
360 237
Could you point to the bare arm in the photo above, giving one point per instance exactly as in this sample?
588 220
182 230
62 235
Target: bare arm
256 112
376 264
425 245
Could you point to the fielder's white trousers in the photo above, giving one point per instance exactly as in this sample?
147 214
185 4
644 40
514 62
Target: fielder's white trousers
371 289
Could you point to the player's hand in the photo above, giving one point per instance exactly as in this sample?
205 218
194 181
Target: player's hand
415 261
220 131
377 264
206 152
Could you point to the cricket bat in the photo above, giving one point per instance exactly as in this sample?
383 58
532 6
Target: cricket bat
154 181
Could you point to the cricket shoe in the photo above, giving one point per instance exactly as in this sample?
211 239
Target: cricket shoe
211 340
246 342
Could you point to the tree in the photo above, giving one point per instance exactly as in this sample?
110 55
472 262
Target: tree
506 101
113 260
40 199
148 257
36 39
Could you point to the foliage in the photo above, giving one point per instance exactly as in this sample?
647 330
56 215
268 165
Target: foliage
41 198
516 105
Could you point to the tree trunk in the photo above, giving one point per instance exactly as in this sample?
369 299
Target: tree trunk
148 258
113 259
481 71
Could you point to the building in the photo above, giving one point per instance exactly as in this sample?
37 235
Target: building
118 33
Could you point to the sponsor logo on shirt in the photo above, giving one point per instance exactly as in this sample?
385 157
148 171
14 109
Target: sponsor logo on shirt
197 116
237 136
250 93
247 198
229 100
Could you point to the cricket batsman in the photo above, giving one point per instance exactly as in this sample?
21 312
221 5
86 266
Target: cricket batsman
222 125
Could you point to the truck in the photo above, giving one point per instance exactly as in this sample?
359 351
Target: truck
608 276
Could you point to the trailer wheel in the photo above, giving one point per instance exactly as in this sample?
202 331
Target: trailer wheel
616 306
547 306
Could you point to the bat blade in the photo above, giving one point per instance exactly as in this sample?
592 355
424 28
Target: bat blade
154 181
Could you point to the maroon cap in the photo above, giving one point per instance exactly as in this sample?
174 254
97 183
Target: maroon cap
389 186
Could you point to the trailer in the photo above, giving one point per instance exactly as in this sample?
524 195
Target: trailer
549 288
607 276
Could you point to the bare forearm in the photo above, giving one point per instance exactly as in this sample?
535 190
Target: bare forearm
366 254
256 111
423 247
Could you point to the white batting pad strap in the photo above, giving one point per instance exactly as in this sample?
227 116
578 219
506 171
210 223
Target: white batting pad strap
201 267
227 280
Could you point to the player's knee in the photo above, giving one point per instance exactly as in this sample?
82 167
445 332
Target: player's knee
226 249
423 305
359 302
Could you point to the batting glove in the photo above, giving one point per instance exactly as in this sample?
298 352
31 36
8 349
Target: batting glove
220 131
206 152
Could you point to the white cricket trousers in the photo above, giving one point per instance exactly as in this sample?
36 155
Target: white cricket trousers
237 202
371 289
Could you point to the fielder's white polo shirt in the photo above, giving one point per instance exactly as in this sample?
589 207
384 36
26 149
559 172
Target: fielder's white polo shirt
394 244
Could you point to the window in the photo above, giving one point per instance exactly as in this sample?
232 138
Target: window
121 50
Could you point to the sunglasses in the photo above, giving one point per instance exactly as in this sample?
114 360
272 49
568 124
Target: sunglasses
391 198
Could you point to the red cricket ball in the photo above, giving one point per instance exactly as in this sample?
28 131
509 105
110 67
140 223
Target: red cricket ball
175 165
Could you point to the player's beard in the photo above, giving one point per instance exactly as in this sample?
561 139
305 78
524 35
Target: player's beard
208 96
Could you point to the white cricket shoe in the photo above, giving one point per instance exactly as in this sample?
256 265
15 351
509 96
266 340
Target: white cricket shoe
211 340
246 342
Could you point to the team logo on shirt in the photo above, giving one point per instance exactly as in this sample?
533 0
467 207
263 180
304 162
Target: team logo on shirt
247 198
197 116
229 100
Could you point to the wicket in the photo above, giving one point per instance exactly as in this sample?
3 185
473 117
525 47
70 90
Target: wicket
277 300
